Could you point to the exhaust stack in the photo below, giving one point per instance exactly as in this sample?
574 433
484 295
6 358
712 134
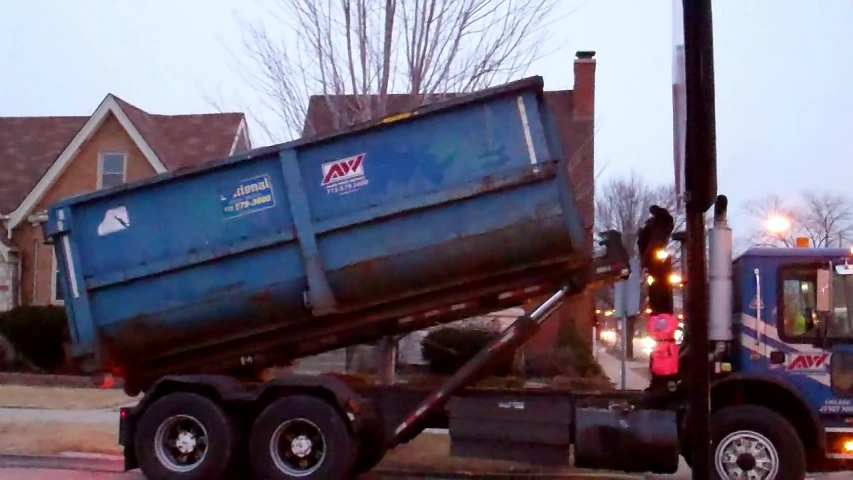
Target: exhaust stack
720 274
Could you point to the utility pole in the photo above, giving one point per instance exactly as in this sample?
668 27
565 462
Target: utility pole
696 175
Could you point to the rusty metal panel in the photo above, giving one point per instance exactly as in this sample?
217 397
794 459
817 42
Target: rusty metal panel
240 257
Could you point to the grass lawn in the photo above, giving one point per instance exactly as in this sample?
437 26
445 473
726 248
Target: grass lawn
61 398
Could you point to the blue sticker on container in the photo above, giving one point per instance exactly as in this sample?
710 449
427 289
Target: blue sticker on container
251 195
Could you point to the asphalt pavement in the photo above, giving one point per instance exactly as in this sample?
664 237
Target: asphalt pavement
45 474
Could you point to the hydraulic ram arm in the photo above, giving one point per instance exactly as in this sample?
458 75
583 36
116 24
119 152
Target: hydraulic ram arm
611 266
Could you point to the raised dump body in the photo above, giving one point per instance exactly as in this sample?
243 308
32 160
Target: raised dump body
318 243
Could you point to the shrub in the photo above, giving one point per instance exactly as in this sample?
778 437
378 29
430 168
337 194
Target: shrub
585 364
38 333
448 348
560 362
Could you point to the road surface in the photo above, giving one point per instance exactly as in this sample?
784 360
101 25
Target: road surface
42 473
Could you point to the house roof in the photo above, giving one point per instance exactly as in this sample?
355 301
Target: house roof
30 146
185 140
327 113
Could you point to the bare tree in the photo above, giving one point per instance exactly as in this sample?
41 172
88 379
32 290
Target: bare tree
371 49
623 204
825 219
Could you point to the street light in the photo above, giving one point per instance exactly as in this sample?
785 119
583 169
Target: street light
777 224
675 279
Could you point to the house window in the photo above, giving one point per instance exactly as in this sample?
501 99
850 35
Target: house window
56 295
113 169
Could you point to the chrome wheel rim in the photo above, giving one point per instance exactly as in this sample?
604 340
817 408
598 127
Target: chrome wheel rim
298 447
181 443
746 455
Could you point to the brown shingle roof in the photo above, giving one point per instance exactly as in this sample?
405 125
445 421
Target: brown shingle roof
327 113
185 140
30 145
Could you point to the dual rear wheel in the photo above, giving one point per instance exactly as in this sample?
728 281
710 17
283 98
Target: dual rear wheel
188 436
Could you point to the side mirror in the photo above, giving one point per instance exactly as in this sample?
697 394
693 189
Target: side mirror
844 269
823 300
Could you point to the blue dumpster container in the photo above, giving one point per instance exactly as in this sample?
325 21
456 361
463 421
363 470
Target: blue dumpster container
441 203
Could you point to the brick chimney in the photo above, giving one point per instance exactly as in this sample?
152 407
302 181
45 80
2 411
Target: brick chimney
584 89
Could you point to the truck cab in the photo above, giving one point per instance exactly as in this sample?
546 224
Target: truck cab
793 329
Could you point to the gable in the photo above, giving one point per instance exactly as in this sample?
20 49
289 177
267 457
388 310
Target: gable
107 106
241 143
83 171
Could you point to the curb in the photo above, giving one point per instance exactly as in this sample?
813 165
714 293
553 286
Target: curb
416 475
98 462
101 465
91 456
95 462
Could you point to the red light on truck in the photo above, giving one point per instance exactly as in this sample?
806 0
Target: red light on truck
103 380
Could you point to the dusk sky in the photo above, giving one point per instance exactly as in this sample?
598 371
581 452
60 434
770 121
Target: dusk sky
783 69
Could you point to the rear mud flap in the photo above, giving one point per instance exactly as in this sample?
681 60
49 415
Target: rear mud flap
630 441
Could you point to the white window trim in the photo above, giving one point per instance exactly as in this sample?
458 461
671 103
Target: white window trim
53 272
101 166
107 106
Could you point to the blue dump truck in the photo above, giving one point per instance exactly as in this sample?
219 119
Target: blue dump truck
188 284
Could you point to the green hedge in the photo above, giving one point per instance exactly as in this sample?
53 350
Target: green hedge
446 349
39 334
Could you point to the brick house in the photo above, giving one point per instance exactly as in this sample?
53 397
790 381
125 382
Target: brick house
44 159
574 111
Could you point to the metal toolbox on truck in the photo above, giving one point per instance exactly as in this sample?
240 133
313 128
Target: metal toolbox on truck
627 439
223 260
531 427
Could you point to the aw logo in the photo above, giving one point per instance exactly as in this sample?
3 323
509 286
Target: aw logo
808 362
345 175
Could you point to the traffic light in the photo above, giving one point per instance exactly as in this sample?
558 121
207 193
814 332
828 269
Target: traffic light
652 240
659 279
654 236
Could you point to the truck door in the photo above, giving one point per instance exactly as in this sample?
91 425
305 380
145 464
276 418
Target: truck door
839 335
796 351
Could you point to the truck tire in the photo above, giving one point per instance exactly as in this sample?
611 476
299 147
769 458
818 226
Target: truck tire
184 436
301 436
754 438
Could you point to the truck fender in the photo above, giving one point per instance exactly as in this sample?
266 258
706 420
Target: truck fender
766 391
357 410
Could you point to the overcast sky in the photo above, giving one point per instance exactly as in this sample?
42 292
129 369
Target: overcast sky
784 101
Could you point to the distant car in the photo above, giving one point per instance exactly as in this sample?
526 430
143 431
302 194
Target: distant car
608 337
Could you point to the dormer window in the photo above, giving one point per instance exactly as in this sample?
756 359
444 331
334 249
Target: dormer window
112 169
